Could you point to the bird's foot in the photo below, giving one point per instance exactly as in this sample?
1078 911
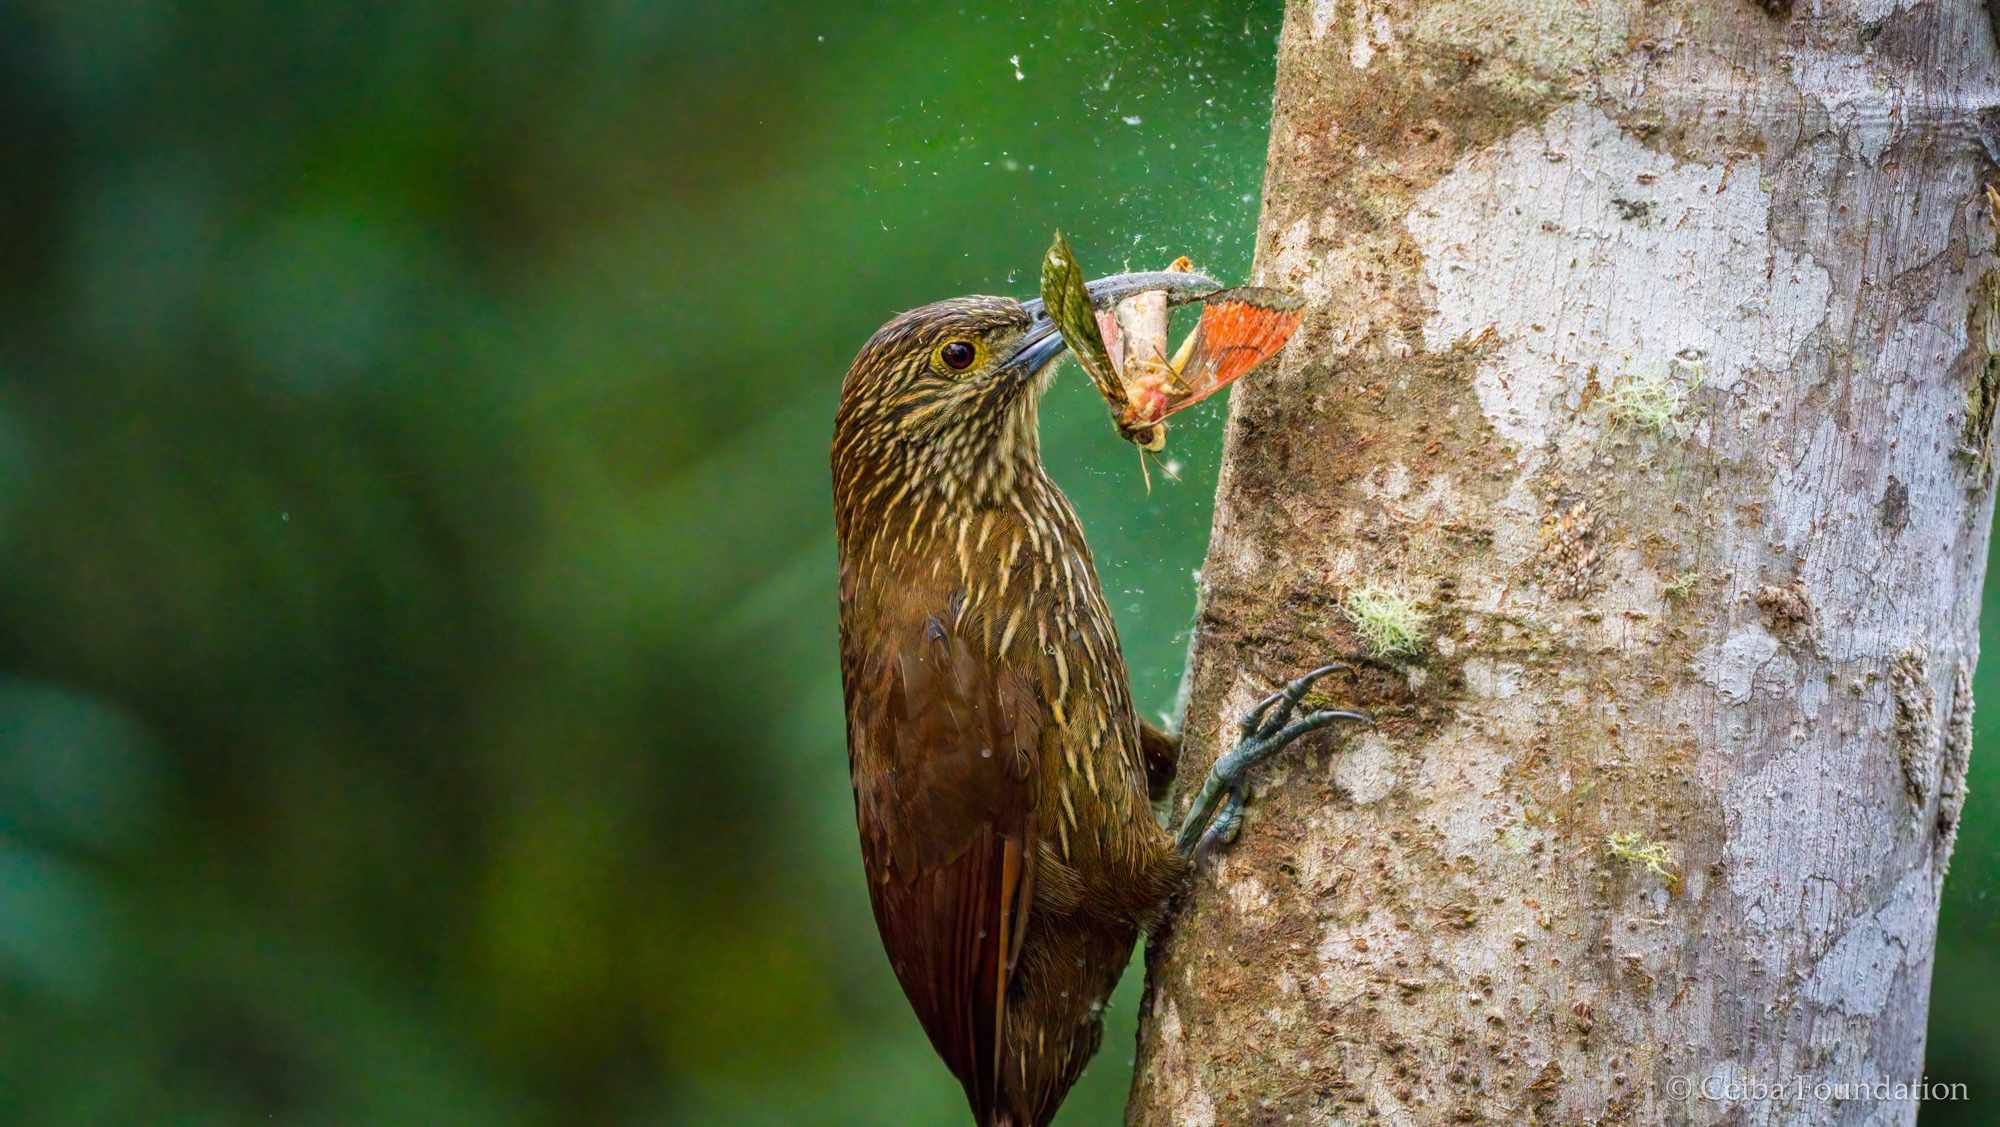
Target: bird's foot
1217 813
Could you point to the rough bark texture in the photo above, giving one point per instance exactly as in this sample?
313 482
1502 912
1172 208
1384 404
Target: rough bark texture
1651 349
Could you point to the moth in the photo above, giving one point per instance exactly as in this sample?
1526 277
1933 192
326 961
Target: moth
1124 349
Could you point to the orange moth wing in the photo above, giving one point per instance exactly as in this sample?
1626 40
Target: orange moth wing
1239 329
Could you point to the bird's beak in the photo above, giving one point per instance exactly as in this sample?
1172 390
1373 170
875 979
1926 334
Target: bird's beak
1043 342
1040 345
1180 287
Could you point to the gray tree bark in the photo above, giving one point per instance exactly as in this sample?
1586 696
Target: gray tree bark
1651 351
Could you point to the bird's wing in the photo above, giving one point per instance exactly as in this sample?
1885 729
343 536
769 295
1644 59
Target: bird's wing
1162 755
943 752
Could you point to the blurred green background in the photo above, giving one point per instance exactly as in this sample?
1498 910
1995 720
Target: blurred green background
416 607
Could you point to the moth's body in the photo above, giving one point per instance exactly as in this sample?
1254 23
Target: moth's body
997 761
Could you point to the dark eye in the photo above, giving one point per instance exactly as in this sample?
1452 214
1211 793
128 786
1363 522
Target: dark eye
958 354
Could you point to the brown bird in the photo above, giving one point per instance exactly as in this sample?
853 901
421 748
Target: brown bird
1003 783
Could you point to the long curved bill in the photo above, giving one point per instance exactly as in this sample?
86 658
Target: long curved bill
1037 348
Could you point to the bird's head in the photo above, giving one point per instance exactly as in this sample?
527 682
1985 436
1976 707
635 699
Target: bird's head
944 397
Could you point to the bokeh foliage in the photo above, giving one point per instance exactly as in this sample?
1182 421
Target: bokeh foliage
419 697
415 554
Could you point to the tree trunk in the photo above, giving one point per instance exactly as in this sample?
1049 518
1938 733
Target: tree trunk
1650 350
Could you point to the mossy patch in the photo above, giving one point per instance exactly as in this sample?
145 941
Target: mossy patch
1650 401
1652 854
1388 621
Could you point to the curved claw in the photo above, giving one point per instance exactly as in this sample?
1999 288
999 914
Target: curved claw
1254 718
1317 721
1292 694
1322 671
1223 830
1264 731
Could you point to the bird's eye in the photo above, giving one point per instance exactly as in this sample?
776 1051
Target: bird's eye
958 354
